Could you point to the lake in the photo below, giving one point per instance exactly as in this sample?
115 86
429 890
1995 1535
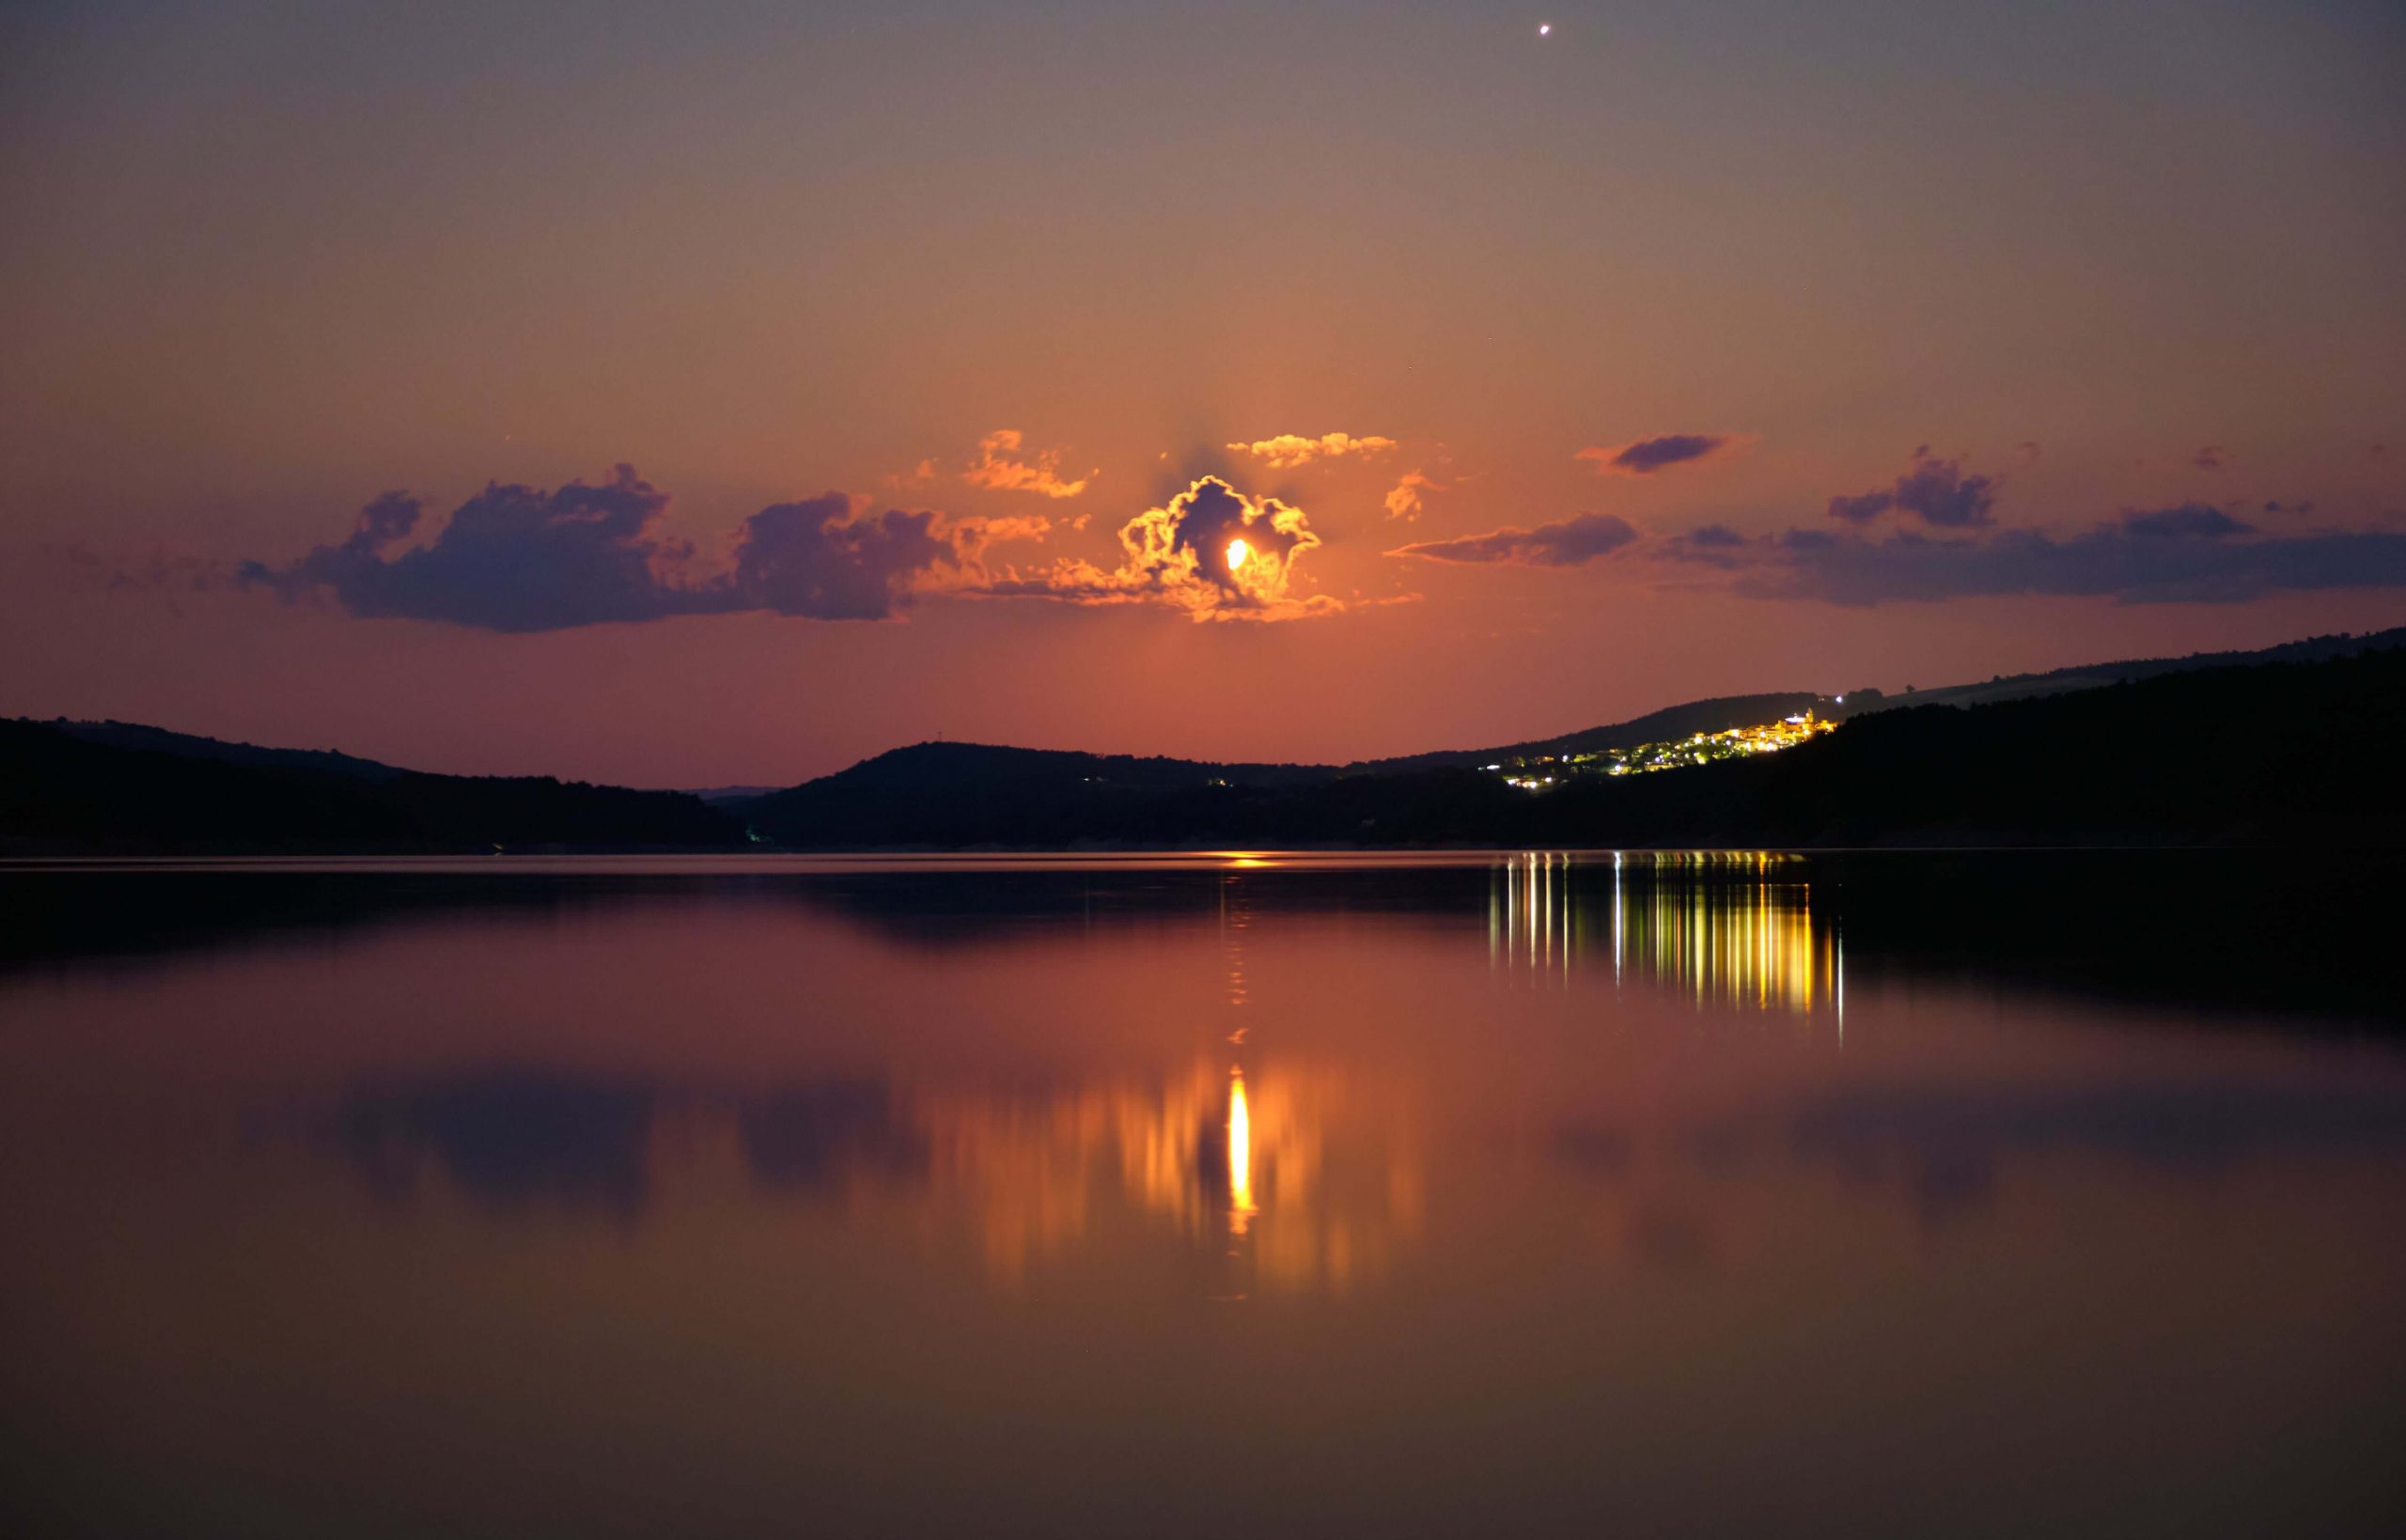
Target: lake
1504 1194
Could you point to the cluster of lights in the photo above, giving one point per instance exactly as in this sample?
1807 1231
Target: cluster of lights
1671 753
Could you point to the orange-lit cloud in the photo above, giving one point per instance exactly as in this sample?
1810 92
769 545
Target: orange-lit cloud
1403 499
1645 456
1289 450
1001 468
1186 554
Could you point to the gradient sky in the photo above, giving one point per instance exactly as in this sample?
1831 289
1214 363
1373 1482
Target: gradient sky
1915 343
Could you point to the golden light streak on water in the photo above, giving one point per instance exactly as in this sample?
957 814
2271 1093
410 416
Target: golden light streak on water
1241 1204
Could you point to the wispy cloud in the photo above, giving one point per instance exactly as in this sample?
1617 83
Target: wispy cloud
2210 457
1289 450
1569 542
2194 553
1210 551
1002 467
1645 456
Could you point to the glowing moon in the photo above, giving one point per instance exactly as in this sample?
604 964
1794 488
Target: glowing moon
1238 552
1545 29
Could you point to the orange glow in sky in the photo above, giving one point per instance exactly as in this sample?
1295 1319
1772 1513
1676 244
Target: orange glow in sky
1770 371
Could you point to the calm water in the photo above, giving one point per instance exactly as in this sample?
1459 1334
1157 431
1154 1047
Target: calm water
1906 1194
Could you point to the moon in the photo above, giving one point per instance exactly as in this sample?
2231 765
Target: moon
1545 29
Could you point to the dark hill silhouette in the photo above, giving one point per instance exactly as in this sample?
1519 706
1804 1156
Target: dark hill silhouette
1705 716
2196 756
2311 649
954 794
2277 752
121 786
132 734
60 792
1712 716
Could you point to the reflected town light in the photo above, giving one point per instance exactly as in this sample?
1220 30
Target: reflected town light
1719 926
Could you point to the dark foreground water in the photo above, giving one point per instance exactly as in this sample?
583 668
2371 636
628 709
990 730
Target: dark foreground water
1856 1195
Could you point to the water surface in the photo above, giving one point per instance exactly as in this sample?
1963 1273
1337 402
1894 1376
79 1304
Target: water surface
1486 1195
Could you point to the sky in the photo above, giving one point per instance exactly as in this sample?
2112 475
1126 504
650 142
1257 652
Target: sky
725 391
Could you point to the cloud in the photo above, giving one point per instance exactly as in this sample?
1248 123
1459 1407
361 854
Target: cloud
2191 554
1936 490
2189 518
1403 499
1570 542
1863 509
2209 458
1644 457
517 558
999 468
1289 450
511 558
1179 554
813 559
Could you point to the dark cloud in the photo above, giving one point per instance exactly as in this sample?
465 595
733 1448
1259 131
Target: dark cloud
1644 457
511 559
518 558
1935 489
1570 542
1712 545
2189 518
2210 457
1862 510
814 559
2194 553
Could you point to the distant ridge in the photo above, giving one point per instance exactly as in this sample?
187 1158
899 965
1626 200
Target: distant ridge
2311 649
2257 753
1706 716
74 793
1722 712
111 785
130 735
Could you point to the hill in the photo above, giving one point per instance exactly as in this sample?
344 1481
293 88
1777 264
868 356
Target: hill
1705 716
956 793
112 786
62 792
2264 754
130 735
2210 756
2008 686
